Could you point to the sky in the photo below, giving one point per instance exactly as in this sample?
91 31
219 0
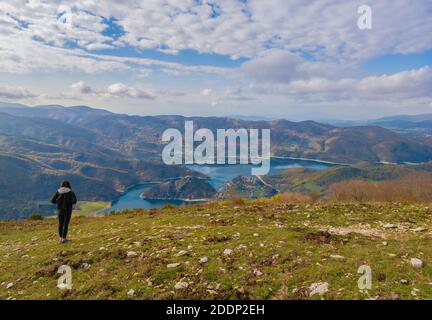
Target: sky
294 59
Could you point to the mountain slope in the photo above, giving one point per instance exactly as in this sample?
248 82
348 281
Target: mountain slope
246 187
187 188
258 250
307 180
141 136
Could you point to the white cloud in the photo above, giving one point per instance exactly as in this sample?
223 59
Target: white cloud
81 88
403 85
8 92
303 49
115 90
326 30
275 65
124 91
206 92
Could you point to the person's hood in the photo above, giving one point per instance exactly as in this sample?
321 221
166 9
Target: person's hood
64 190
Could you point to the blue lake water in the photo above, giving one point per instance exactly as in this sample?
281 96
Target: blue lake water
219 175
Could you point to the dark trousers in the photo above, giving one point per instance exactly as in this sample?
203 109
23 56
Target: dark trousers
64 217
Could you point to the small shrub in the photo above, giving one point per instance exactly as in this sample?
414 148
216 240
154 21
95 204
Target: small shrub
294 197
413 188
315 195
35 217
277 197
168 206
238 201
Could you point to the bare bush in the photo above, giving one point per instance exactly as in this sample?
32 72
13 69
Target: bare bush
416 187
293 197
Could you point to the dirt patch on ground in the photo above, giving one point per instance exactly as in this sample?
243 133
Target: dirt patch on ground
364 230
319 237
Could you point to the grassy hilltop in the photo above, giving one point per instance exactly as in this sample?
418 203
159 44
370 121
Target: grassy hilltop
264 249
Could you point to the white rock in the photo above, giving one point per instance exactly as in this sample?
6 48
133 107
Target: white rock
181 285
389 226
227 252
318 288
9 285
85 265
182 253
132 254
257 273
173 265
416 263
419 229
131 293
384 243
204 260
337 257
190 247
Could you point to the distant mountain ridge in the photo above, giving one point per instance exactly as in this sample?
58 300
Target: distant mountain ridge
140 136
103 152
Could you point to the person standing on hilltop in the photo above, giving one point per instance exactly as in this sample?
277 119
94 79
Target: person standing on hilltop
65 199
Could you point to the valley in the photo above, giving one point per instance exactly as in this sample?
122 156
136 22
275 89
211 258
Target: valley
103 154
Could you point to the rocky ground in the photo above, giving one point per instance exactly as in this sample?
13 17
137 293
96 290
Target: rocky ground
264 249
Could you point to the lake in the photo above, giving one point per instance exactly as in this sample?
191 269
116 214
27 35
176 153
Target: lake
219 175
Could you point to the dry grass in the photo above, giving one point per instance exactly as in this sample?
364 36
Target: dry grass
293 197
414 188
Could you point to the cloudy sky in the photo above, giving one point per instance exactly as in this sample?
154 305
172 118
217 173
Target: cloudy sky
298 59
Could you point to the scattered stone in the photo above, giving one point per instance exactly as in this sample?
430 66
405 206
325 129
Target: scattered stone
190 247
337 257
389 226
131 293
319 288
181 285
9 285
419 229
257 273
414 291
416 263
384 243
181 253
241 246
132 254
404 281
203 260
241 290
173 265
227 252
85 265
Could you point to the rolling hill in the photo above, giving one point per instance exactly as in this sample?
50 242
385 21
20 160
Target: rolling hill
221 250
102 152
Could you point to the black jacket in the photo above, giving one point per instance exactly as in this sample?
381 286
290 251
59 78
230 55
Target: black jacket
64 199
